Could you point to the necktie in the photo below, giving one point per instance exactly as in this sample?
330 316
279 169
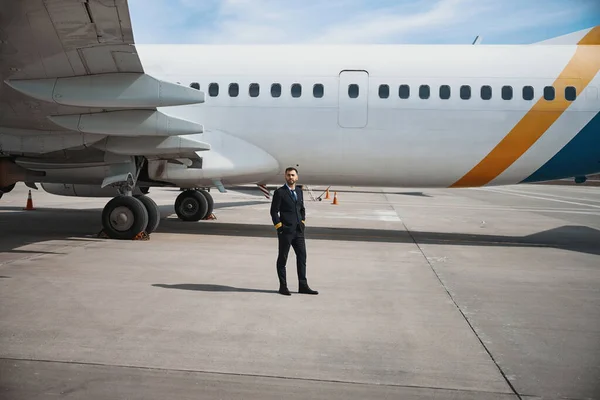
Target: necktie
294 194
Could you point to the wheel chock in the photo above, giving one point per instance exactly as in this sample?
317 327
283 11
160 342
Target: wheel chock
102 235
211 216
140 236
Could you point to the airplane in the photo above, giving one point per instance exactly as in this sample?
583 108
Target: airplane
84 111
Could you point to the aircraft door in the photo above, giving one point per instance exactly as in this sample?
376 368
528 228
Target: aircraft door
353 95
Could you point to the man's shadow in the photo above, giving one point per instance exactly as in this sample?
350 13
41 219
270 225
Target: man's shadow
211 288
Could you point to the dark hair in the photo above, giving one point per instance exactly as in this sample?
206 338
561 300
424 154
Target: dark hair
291 169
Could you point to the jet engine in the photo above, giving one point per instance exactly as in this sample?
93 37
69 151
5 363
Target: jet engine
6 189
65 189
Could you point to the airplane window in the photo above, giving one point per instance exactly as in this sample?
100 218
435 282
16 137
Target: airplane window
276 90
213 89
507 92
570 93
195 85
465 92
254 90
404 91
318 90
234 90
353 91
424 91
384 91
549 93
296 90
528 93
486 92
444 92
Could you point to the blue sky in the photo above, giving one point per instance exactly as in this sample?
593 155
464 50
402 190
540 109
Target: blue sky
358 21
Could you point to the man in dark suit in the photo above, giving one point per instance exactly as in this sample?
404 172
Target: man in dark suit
288 215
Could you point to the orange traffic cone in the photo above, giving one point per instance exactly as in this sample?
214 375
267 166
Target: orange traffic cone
335 200
29 205
327 194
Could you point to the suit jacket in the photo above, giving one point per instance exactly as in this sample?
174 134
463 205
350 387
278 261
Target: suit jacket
288 215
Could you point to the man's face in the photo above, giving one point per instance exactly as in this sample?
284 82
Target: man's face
291 177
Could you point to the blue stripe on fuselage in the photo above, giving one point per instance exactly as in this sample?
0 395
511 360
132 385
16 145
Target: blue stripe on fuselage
581 156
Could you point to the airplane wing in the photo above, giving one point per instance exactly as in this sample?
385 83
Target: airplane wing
59 39
72 80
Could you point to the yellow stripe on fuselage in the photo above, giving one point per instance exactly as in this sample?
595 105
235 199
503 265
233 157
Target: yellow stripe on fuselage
580 70
592 37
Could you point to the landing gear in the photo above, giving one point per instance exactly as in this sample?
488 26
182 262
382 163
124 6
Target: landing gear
211 202
194 205
124 217
153 213
191 205
6 189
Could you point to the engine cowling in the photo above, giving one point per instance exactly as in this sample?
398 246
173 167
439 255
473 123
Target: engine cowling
7 189
66 189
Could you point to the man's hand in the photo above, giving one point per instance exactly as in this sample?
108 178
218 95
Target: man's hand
279 227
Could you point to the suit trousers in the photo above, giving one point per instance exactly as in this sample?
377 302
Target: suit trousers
296 240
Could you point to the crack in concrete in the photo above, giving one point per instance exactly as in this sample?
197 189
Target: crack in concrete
454 301
252 375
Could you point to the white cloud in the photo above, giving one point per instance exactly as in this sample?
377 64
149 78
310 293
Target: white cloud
384 25
353 21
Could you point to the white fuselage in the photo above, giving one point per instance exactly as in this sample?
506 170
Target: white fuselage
371 139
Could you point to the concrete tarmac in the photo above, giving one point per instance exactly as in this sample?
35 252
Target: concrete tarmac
485 293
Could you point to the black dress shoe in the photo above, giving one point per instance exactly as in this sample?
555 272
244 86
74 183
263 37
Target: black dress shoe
305 289
284 291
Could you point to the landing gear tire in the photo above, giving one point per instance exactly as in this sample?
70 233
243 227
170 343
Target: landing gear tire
124 217
191 205
153 213
209 199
